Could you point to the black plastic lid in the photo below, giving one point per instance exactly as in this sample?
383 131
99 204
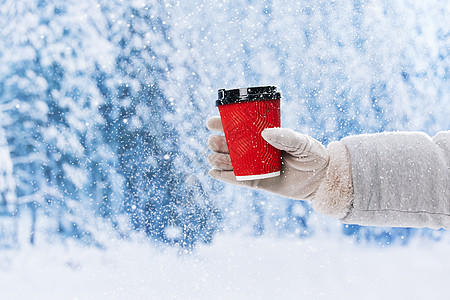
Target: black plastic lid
247 94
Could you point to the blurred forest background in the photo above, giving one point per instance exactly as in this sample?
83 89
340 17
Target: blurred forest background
103 107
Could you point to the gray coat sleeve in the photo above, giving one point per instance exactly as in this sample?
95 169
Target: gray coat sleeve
400 179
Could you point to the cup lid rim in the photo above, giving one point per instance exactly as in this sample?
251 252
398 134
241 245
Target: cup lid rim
247 94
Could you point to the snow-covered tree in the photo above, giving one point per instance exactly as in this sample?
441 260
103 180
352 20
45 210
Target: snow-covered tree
52 122
104 103
164 198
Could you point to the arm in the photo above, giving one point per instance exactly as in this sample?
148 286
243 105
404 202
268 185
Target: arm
398 179
386 179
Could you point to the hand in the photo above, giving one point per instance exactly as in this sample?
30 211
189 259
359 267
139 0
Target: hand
303 166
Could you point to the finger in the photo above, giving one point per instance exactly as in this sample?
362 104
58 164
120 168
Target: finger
228 177
307 153
214 124
220 161
288 140
269 184
218 143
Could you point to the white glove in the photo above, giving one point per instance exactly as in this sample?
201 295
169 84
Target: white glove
309 171
303 167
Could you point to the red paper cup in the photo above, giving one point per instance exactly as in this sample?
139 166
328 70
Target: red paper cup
245 113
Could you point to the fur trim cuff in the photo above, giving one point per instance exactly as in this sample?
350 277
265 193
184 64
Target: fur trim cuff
335 194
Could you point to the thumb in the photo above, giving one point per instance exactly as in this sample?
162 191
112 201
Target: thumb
292 142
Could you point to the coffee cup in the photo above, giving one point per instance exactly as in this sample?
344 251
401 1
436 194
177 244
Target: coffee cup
245 113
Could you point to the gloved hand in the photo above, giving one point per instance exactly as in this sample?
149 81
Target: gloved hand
303 168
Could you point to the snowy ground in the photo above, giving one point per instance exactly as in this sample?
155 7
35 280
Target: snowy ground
234 267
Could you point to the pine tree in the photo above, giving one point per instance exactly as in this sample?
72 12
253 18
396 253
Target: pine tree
159 199
53 123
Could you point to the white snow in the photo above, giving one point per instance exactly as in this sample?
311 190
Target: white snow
234 267
328 59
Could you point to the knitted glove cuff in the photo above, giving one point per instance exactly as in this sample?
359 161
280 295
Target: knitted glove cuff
335 194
